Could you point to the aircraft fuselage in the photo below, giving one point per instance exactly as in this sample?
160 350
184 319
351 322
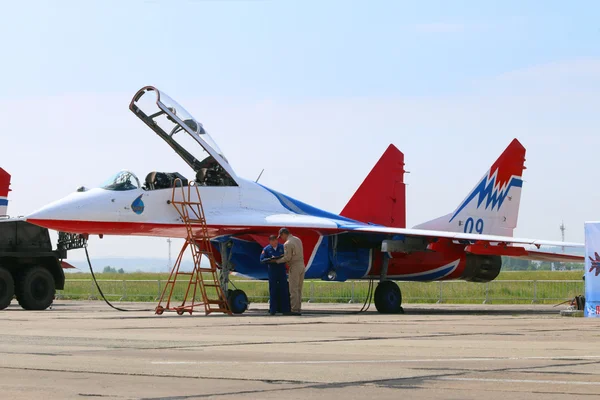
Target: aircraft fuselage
246 215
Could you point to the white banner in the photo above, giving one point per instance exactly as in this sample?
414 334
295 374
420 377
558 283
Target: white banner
592 269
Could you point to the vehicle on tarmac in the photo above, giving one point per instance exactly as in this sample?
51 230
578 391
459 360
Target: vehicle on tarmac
29 268
367 240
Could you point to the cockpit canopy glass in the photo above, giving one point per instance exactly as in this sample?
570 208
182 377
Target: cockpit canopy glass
184 134
187 118
121 181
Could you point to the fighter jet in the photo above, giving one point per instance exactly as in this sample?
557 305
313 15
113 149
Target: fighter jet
367 240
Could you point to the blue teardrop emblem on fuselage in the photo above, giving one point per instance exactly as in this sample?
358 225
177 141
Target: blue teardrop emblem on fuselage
138 205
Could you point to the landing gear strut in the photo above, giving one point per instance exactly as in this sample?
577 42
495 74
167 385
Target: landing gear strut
237 299
388 297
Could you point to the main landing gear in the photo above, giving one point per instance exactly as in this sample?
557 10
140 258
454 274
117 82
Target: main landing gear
388 297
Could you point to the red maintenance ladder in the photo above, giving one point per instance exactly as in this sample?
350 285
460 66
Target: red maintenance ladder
197 239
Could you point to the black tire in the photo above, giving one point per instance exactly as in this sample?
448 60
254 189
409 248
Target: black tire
388 298
7 288
238 301
35 289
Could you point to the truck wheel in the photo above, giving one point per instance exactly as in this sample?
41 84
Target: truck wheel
7 288
35 289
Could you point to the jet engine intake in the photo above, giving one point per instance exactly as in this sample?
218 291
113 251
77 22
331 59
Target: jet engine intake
481 269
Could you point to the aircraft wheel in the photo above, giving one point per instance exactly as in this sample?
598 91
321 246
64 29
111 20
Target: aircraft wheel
36 289
388 297
238 301
7 288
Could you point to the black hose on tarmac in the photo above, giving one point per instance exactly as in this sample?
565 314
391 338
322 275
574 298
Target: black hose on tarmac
100 290
367 303
365 307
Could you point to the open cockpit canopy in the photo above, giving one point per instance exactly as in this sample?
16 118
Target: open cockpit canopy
185 135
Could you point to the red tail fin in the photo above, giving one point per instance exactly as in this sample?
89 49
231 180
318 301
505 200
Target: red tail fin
380 199
4 184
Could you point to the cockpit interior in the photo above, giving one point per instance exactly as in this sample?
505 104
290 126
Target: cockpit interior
126 180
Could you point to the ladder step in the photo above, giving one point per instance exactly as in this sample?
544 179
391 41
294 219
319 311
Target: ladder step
173 282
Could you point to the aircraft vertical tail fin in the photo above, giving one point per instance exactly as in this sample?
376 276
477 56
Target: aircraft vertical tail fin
4 189
492 207
380 199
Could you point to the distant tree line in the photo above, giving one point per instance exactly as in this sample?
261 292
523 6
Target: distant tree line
111 270
517 264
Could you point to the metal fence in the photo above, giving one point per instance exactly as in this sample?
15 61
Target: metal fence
500 291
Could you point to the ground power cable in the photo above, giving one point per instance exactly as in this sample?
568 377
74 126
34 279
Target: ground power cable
365 307
367 303
100 290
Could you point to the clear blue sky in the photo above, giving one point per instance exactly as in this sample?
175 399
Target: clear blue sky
285 48
449 82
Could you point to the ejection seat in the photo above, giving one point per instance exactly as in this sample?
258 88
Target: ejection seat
163 180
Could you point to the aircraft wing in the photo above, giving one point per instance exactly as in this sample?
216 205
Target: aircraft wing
465 236
551 257
66 265
488 244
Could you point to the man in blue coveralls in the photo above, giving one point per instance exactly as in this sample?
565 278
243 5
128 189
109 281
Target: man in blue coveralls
279 298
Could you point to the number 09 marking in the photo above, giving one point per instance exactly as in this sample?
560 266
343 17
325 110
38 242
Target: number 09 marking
470 224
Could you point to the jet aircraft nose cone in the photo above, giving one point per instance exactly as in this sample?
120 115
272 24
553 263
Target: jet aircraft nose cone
66 214
52 216
43 214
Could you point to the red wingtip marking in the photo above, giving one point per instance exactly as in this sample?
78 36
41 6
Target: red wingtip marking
66 265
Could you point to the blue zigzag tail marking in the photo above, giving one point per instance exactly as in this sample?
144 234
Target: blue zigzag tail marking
487 192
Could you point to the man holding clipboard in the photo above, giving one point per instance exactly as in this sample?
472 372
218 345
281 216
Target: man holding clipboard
279 298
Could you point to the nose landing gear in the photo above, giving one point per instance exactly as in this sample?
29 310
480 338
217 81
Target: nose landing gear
238 301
